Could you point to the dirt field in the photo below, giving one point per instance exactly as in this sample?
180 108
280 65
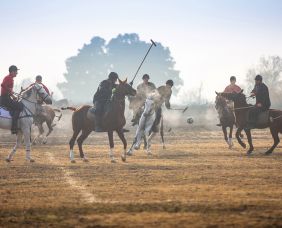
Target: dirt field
196 182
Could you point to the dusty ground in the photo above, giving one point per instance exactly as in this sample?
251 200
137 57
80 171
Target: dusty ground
195 182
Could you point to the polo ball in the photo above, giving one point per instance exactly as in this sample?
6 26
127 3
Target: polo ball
190 120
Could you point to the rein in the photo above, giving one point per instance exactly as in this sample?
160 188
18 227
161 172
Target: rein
248 107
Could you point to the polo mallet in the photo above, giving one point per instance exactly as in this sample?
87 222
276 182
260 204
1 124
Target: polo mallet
153 44
180 109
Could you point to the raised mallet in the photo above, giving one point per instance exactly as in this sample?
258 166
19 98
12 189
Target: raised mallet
153 44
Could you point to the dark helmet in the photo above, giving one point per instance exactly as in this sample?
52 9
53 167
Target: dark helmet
258 78
232 78
13 68
146 76
38 78
169 82
113 76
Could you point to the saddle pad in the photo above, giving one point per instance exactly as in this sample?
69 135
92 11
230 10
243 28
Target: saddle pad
263 118
4 113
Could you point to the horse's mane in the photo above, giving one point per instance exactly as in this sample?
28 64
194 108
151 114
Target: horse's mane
27 91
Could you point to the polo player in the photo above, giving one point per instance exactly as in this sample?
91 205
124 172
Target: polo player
9 100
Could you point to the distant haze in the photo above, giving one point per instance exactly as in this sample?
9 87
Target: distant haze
208 40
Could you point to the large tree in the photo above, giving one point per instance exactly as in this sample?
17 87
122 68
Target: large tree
271 70
121 54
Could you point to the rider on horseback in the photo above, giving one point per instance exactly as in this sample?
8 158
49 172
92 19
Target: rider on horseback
143 90
102 97
153 103
9 99
41 113
164 94
231 88
263 103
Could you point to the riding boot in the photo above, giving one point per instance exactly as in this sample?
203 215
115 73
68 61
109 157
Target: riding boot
14 129
98 124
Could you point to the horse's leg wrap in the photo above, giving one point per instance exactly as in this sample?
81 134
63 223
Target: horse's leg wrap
18 143
72 156
111 154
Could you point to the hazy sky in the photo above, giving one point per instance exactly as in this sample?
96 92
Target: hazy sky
210 40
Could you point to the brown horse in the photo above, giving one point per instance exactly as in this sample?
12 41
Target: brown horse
46 116
242 108
226 118
113 120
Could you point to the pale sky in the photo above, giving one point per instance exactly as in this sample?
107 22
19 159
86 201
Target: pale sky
210 40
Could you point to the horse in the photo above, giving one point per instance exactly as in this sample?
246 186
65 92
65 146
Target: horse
29 99
135 103
226 118
113 120
241 108
47 117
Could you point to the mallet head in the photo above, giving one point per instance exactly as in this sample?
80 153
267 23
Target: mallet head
153 43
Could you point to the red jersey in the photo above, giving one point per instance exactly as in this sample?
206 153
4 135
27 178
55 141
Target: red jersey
7 85
232 89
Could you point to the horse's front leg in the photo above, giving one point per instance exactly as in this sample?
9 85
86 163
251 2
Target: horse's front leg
230 137
149 142
238 133
130 151
121 136
111 142
249 137
18 143
40 132
26 133
225 134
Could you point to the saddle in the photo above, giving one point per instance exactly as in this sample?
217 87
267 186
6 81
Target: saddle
92 111
263 118
5 113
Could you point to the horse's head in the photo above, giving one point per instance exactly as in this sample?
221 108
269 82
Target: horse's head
220 101
36 93
237 98
124 89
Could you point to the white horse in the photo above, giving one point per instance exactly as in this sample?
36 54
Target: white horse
29 98
144 127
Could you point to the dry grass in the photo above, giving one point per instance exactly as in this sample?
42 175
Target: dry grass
195 182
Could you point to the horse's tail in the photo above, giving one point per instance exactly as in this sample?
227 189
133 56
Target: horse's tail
68 108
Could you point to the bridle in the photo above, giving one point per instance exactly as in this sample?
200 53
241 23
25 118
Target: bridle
38 93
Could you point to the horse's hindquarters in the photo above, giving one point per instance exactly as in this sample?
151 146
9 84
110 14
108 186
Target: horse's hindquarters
5 123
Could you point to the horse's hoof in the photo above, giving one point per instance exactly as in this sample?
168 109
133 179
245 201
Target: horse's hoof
72 161
129 153
123 158
268 152
113 161
44 142
249 152
149 153
8 160
85 160
164 147
244 145
31 160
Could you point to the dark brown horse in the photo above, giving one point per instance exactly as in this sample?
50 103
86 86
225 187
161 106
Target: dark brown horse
242 108
113 120
226 118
